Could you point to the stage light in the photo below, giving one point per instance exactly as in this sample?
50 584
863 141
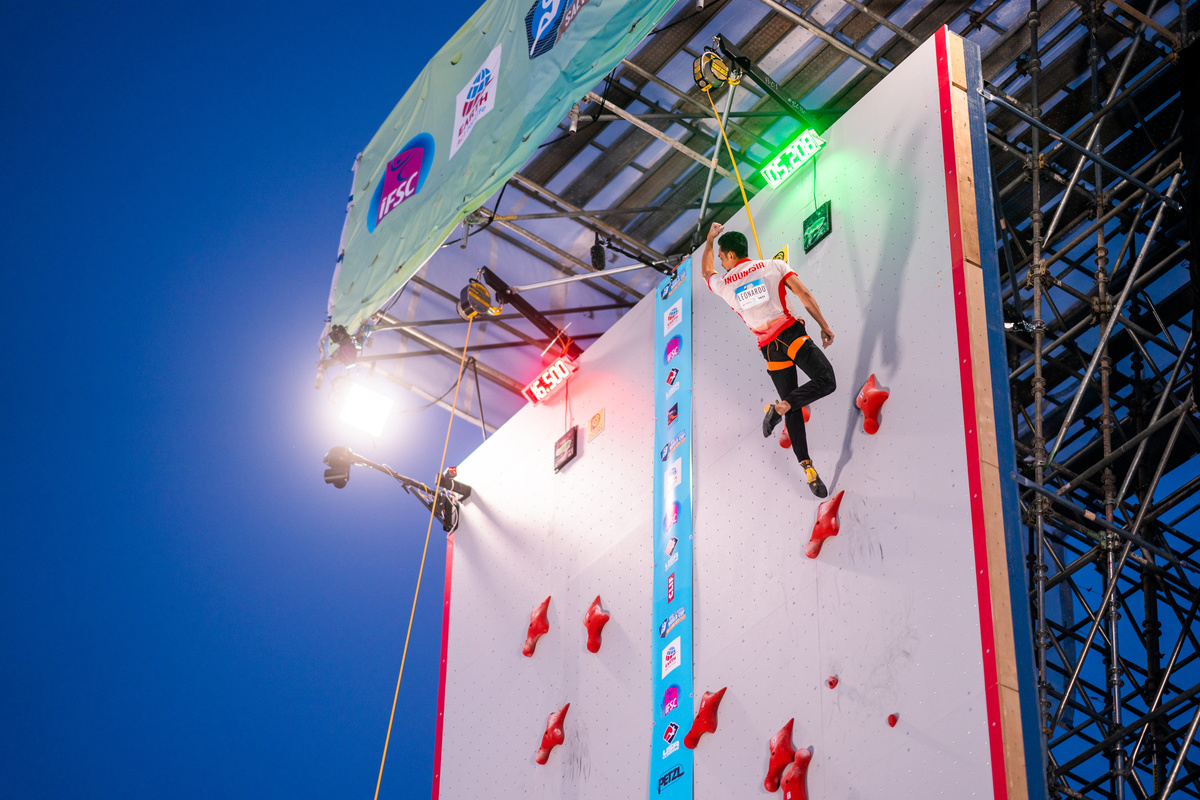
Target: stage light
366 409
338 459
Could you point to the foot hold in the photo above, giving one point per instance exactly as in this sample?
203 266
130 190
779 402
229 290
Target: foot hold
539 624
594 620
553 735
827 525
782 754
706 718
870 400
795 777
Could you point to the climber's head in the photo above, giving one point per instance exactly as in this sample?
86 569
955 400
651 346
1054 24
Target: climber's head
733 248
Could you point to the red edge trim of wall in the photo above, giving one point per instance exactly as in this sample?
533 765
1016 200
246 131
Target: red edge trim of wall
441 705
970 422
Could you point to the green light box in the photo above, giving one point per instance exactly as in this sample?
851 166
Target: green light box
794 156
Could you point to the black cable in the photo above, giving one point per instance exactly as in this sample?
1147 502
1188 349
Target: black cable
676 22
442 397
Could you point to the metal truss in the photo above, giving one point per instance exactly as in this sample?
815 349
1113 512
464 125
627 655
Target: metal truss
1087 158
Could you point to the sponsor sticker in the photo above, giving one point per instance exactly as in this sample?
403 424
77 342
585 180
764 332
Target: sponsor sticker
670 700
672 517
672 414
671 748
402 178
673 475
671 657
677 616
671 589
673 346
671 561
669 777
476 99
548 21
672 376
673 316
671 546
670 446
669 733
675 283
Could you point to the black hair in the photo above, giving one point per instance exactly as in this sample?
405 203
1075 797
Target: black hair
734 242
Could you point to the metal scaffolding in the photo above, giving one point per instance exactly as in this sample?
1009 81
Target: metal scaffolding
1099 349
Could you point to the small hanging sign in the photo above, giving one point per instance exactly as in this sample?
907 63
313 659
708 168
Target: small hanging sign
566 448
596 425
818 225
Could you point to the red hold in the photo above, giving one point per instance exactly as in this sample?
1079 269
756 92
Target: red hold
706 718
553 735
827 525
539 624
870 400
795 777
832 682
594 621
785 440
782 754
893 719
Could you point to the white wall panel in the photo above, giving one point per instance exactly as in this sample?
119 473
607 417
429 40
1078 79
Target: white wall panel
891 604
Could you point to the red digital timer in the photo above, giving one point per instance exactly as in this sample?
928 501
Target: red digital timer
552 377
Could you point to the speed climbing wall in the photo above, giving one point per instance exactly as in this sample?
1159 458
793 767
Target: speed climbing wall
901 652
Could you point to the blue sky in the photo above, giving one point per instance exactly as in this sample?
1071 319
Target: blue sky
188 610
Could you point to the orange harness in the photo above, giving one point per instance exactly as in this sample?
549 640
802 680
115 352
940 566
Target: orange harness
793 348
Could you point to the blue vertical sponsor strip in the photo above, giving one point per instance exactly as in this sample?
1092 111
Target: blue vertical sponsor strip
670 761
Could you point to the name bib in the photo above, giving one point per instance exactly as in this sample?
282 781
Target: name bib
752 294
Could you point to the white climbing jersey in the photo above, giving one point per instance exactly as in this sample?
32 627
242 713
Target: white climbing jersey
756 291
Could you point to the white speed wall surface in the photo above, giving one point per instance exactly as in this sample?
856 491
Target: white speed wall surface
890 606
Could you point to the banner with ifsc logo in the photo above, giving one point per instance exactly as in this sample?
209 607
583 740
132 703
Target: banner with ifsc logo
670 761
472 118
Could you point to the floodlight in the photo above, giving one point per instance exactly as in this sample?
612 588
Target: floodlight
366 409
338 459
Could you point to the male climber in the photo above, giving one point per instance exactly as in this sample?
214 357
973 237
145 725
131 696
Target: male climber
754 289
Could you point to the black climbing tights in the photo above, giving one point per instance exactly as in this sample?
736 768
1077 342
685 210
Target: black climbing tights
813 363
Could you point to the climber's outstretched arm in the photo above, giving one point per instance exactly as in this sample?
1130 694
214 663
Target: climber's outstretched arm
810 304
707 268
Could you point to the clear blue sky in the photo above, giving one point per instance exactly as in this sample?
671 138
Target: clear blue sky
188 611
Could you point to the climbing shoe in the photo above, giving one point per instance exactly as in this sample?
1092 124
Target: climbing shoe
771 418
814 480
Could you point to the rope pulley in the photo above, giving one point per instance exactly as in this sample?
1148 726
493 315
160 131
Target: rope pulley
476 299
709 70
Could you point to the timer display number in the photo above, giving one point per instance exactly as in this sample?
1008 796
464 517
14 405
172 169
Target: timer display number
794 156
551 379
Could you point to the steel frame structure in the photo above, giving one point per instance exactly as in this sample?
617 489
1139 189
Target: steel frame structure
1086 152
1099 350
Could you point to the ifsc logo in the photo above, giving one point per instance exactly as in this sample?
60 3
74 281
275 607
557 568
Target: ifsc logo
670 700
674 344
403 177
548 21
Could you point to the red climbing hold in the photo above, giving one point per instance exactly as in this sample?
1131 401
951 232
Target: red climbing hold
832 682
706 718
782 754
794 777
785 440
827 525
870 400
893 719
553 735
538 625
594 621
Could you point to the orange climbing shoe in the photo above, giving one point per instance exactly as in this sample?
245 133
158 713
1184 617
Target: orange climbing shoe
771 418
814 480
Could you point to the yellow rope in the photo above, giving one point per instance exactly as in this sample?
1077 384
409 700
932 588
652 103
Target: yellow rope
745 201
421 571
